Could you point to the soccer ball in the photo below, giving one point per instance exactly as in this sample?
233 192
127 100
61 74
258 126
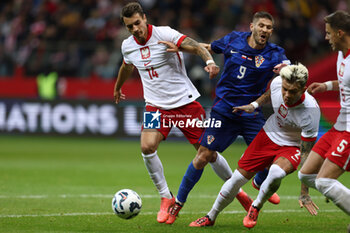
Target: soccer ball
126 203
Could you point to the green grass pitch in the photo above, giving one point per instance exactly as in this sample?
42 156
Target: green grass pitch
60 184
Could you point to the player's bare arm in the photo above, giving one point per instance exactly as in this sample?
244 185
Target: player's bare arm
191 46
207 46
304 198
316 87
173 48
123 74
249 108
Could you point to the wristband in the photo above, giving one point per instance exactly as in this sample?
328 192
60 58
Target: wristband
255 104
210 62
329 85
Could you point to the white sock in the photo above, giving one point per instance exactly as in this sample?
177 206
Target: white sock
227 193
270 185
308 179
155 170
335 191
221 167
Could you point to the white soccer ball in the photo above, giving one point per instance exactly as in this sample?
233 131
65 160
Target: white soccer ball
126 203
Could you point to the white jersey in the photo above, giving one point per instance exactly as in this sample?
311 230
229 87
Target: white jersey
343 73
288 125
163 74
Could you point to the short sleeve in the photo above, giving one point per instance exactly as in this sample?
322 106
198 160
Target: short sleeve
125 58
276 84
218 46
284 59
310 124
169 34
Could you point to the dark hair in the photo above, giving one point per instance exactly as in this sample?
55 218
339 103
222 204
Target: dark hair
263 14
339 20
130 9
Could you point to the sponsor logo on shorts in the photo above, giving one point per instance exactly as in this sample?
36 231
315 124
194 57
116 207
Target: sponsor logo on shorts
210 139
151 120
334 154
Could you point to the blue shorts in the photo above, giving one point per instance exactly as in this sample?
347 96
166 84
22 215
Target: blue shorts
218 139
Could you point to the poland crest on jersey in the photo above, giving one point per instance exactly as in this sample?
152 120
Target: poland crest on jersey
145 52
259 60
283 111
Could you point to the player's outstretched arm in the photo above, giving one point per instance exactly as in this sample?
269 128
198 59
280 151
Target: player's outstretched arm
191 46
316 87
207 46
123 74
249 108
304 198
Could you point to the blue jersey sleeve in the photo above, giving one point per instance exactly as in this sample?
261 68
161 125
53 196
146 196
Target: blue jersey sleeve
218 46
284 59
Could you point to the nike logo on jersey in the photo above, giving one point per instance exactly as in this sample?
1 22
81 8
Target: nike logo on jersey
334 154
232 51
145 64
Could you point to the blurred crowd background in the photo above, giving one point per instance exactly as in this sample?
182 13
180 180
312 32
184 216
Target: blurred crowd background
78 39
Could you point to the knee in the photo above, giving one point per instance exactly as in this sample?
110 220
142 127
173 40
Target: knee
324 185
308 179
302 177
148 148
203 157
276 172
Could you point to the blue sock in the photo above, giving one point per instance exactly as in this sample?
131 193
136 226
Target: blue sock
189 180
260 177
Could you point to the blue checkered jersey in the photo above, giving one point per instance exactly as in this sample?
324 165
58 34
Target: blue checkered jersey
246 73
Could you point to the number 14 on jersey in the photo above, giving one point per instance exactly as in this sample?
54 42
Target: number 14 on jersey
152 73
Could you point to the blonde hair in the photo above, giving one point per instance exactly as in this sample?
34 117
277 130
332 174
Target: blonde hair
295 73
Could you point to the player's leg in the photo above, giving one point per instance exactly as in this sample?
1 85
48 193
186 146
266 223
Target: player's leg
226 195
328 185
315 159
217 139
252 127
252 160
225 136
338 161
210 140
277 172
192 175
311 167
150 139
223 170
